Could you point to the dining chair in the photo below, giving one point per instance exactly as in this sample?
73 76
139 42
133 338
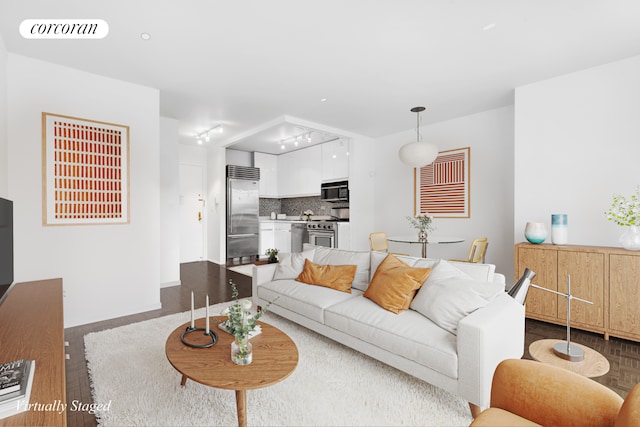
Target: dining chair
477 251
380 243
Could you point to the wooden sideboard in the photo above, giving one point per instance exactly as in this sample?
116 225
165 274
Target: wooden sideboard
32 327
609 277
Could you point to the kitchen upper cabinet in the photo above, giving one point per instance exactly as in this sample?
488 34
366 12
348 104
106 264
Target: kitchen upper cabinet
268 164
335 160
300 172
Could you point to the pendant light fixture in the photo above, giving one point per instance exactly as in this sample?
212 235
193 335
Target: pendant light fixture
418 154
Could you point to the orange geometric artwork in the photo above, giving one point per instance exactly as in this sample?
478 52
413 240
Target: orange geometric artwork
86 171
442 187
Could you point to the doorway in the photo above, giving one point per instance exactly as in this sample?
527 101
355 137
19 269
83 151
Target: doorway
192 211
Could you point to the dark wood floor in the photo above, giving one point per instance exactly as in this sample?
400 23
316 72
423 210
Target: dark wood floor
208 278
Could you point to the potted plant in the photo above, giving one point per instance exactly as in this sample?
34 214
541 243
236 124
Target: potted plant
626 213
272 254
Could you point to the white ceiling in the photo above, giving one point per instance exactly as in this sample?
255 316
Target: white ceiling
253 64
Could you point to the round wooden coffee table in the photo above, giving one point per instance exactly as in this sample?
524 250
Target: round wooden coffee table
275 357
593 365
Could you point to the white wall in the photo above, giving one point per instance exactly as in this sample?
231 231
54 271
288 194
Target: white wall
362 191
490 136
577 141
108 270
4 165
169 208
239 158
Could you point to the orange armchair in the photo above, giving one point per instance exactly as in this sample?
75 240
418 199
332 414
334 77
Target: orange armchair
529 393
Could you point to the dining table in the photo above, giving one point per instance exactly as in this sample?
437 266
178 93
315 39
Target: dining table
431 240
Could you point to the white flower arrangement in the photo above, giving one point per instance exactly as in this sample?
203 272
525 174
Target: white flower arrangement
422 222
625 211
241 322
308 214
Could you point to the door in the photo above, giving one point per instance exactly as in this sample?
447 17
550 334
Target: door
191 213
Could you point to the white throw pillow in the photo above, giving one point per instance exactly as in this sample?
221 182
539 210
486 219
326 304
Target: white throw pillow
447 301
332 256
291 265
477 270
442 270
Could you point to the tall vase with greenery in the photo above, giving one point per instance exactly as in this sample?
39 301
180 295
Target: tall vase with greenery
241 324
625 211
423 223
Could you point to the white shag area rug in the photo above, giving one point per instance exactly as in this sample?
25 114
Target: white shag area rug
246 269
332 385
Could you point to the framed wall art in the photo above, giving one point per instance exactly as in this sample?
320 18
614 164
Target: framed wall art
441 189
85 171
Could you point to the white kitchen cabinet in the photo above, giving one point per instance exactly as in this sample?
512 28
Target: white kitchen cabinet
266 236
268 164
275 235
282 237
300 172
335 160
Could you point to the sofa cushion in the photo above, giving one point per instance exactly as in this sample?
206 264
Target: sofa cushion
476 270
408 334
291 264
308 301
332 256
338 277
449 300
395 284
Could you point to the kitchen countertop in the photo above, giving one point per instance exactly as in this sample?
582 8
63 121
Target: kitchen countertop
296 220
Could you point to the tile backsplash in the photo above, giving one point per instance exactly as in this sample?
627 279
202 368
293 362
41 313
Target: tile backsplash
296 205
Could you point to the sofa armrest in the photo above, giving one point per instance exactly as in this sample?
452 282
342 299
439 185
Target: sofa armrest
486 337
261 274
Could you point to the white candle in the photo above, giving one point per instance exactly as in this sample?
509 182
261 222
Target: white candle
207 324
193 324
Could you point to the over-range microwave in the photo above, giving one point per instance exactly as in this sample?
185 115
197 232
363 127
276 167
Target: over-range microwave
334 191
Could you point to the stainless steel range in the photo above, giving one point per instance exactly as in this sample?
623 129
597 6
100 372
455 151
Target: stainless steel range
323 233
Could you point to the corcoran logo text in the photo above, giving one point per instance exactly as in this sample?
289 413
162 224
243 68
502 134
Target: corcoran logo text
64 29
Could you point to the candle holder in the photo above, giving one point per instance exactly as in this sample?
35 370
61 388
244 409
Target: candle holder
189 330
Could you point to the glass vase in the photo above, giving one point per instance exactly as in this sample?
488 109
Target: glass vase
241 351
630 239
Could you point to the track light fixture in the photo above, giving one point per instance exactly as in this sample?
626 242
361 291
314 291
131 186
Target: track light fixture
206 135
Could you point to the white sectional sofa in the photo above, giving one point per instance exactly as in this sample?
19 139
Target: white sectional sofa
459 326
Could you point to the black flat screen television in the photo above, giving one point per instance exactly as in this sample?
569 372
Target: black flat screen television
6 247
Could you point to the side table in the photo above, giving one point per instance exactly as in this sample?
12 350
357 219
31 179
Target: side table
593 365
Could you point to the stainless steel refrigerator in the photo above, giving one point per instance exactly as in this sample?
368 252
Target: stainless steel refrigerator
243 226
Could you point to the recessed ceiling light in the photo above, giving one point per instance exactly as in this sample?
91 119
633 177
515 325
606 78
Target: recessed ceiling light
145 36
323 100
489 27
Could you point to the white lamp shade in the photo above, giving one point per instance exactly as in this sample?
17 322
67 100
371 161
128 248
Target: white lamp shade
418 154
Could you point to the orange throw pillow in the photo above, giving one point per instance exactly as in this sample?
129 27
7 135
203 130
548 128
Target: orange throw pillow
395 284
338 277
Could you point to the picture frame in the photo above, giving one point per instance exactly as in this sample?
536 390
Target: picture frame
85 171
442 188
